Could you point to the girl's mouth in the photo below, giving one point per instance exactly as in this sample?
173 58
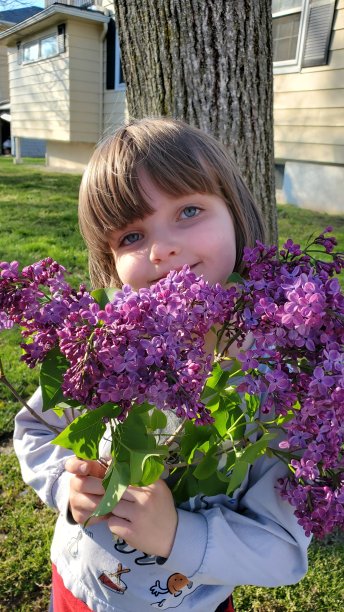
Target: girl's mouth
177 269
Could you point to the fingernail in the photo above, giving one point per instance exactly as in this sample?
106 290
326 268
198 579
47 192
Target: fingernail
83 469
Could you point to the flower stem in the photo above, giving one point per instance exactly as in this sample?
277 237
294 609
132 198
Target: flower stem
171 439
7 384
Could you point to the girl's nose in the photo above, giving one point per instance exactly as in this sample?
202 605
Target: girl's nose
162 250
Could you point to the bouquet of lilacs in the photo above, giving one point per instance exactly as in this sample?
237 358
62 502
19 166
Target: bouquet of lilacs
139 365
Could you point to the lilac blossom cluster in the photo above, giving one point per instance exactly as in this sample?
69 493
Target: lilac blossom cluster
145 346
294 309
38 298
149 346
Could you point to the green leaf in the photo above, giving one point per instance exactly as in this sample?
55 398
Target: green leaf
84 434
213 402
214 485
153 468
116 484
235 278
207 466
51 377
103 296
59 411
141 408
224 474
236 422
133 434
187 486
193 438
252 404
138 461
236 369
237 476
220 421
256 449
283 418
216 382
158 419
69 403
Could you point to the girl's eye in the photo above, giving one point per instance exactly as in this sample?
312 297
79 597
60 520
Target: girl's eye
131 238
190 211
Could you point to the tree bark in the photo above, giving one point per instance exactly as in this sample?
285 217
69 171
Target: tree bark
208 62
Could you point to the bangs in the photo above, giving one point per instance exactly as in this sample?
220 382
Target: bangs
174 164
180 160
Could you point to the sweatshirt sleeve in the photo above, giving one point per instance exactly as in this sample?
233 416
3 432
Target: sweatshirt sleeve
258 543
42 463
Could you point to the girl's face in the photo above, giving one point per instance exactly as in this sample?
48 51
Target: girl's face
195 229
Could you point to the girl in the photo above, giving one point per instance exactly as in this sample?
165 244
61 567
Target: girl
155 196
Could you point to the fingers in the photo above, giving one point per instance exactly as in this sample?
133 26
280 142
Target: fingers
85 488
83 467
146 518
82 506
87 485
120 527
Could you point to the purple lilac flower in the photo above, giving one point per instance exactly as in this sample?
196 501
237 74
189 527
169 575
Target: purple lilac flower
150 346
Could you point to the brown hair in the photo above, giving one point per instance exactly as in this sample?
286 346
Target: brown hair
180 160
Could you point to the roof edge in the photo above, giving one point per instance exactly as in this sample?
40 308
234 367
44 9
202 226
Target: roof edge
55 9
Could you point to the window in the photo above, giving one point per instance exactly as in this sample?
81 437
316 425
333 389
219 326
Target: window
114 73
288 18
301 33
42 48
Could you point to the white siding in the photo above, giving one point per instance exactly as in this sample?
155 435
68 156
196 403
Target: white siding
115 110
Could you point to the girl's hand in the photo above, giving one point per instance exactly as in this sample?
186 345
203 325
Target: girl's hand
86 489
146 518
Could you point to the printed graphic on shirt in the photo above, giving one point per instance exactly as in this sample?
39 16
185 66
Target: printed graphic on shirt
113 580
73 545
174 586
122 547
198 503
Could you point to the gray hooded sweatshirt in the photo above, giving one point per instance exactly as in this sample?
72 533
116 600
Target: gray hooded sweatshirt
221 542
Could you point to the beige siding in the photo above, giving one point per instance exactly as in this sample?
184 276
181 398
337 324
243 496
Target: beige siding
325 154
308 117
4 88
60 98
37 86
309 106
85 80
71 156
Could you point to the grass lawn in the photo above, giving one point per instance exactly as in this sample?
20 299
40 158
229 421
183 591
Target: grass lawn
39 218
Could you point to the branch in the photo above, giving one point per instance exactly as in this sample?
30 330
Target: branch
7 384
171 439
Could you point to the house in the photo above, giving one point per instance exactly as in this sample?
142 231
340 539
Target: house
67 87
33 148
65 83
309 102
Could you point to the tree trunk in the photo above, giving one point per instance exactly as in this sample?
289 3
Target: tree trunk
208 62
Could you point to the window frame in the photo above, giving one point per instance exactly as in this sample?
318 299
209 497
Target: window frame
119 85
40 58
294 65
